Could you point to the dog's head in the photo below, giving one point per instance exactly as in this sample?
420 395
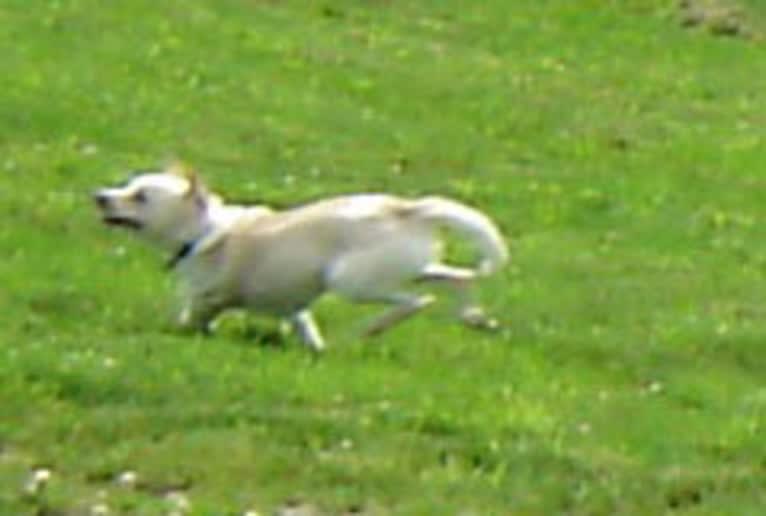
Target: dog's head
166 206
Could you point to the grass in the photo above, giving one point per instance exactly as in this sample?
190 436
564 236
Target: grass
618 150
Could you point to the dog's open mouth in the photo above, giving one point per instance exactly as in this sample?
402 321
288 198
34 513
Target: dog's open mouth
114 220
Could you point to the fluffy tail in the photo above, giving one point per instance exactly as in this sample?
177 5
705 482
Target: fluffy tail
475 225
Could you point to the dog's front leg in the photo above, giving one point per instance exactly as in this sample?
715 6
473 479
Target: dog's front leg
197 317
307 330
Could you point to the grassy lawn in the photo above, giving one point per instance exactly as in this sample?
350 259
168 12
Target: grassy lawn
619 144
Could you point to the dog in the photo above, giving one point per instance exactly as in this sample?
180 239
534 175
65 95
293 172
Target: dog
366 248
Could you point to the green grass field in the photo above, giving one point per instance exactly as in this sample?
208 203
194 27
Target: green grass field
619 144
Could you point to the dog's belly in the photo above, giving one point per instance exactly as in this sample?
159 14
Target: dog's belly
279 300
281 284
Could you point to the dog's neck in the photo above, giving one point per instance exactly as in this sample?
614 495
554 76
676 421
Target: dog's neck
210 221
210 229
187 248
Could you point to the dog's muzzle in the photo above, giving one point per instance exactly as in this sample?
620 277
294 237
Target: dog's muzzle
104 202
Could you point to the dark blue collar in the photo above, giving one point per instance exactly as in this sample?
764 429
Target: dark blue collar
186 249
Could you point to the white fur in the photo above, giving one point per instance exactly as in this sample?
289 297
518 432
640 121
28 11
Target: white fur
365 248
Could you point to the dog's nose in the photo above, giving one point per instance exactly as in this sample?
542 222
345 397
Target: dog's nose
101 199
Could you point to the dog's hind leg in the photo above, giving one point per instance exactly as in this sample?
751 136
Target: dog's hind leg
375 276
405 306
307 330
460 281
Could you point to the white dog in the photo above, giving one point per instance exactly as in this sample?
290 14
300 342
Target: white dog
365 248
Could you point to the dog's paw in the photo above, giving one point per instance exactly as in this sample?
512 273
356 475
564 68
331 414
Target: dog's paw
475 317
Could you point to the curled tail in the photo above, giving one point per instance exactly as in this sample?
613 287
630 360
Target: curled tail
483 233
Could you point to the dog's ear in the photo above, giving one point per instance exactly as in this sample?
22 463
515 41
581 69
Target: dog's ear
196 188
181 169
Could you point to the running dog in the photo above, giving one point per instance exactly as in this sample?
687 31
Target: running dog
366 248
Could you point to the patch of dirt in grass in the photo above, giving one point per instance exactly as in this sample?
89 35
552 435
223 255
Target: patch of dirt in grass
45 510
684 497
298 508
718 17
685 489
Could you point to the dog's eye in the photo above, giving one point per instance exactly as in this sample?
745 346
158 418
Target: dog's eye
140 197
